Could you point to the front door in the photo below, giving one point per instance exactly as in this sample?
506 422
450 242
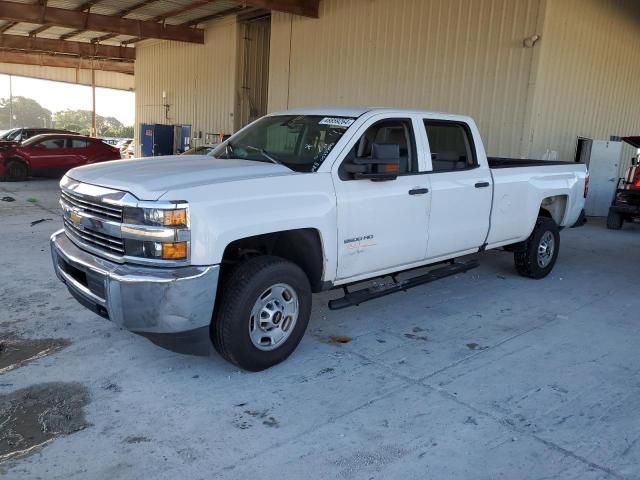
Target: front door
382 224
461 190
52 155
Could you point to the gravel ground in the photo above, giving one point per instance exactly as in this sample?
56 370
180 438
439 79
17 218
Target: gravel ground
484 375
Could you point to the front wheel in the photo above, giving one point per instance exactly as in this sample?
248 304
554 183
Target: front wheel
537 255
262 312
16 171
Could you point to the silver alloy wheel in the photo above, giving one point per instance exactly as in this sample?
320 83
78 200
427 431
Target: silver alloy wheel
273 317
546 248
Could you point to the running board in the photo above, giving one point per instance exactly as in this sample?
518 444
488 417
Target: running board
366 294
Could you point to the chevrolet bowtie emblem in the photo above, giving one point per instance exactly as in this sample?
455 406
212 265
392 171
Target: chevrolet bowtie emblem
75 217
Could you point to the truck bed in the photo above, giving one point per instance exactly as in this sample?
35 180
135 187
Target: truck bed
501 162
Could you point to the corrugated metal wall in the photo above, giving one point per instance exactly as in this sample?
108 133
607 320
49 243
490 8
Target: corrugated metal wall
104 79
588 79
199 81
450 55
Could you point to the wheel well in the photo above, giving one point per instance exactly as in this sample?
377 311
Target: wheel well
16 159
554 207
302 247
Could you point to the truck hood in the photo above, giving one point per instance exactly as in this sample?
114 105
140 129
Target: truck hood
150 178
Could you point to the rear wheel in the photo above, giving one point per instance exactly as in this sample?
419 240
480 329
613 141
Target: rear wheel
614 220
262 312
536 256
16 171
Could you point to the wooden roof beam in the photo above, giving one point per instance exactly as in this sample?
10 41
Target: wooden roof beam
66 61
305 8
18 12
82 49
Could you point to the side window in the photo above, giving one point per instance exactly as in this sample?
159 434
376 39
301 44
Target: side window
52 143
77 143
451 146
388 132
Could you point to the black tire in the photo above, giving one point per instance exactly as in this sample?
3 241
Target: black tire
238 294
16 171
614 220
526 255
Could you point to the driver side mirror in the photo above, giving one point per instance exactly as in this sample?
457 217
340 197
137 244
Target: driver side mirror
634 161
383 165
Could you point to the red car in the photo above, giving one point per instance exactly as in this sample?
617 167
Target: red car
51 153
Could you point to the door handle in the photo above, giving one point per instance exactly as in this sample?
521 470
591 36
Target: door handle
482 184
418 191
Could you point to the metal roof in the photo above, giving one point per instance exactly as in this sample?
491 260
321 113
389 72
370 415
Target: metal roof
135 10
32 31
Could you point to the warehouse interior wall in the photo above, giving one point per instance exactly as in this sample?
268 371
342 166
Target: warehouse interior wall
588 77
199 82
444 55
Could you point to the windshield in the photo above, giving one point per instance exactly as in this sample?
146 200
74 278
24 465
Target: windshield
11 134
300 142
201 150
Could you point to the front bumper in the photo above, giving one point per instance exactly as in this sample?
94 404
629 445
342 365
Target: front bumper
171 306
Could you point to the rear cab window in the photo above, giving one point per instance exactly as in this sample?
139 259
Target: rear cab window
451 145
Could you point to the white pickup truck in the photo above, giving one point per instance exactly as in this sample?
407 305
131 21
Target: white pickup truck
227 248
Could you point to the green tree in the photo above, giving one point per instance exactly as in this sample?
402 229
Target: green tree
80 121
26 112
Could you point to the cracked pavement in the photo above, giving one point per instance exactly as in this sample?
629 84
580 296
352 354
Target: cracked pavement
484 375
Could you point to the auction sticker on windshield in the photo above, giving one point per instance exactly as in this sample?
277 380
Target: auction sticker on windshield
337 122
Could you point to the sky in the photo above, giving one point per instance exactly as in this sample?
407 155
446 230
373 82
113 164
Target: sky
56 96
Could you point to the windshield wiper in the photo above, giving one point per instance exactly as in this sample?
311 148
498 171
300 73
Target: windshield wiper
265 154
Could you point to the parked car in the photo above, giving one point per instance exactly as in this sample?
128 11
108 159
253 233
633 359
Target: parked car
201 150
131 149
123 145
626 202
229 248
51 153
21 134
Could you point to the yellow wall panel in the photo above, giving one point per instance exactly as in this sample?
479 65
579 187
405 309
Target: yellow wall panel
457 56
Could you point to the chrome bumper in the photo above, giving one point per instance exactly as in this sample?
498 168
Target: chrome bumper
146 300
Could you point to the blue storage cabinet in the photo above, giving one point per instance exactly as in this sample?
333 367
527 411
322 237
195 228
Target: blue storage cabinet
181 138
156 139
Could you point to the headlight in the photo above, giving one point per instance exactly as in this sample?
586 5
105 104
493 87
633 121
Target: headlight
156 233
176 217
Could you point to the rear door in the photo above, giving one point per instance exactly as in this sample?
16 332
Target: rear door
382 224
79 151
461 189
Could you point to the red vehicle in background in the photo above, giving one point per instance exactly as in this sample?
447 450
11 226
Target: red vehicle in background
626 202
51 154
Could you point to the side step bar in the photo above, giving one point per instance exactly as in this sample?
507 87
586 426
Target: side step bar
366 294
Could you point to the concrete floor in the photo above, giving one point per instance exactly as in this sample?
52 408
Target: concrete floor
481 376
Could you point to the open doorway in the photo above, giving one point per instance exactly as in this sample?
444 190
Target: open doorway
253 69
583 150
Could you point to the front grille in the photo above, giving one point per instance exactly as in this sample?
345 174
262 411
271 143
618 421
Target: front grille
102 241
91 206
